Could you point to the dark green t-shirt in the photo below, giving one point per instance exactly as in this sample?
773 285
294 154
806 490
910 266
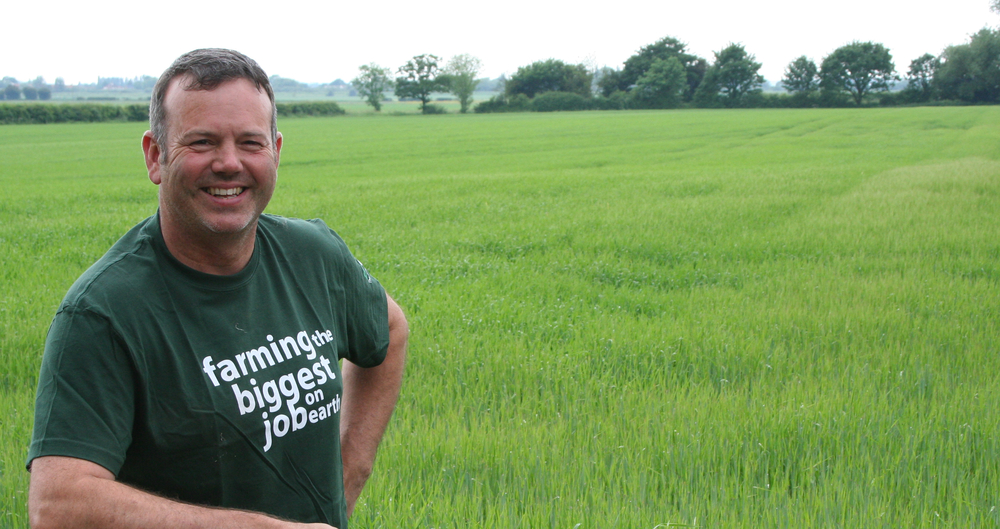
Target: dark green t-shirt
216 390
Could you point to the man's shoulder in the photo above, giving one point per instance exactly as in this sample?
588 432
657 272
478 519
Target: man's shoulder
306 244
118 271
294 231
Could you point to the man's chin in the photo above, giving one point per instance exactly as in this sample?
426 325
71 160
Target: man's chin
231 225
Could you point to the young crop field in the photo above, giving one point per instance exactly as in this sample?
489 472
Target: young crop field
714 319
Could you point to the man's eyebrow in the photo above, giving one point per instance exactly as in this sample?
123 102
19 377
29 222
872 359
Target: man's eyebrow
191 133
211 134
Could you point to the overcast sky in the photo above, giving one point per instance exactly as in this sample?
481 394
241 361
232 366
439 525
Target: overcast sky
313 41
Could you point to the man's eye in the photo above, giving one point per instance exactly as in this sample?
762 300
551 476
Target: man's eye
199 142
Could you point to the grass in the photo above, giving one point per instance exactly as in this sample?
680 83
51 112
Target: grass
628 319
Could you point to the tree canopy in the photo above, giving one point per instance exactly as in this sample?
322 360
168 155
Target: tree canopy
731 78
920 78
637 65
461 71
420 76
971 72
549 76
859 68
737 73
801 75
662 86
371 83
12 92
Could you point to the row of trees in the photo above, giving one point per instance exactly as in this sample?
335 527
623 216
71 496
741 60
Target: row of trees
14 91
661 75
418 79
665 75
858 69
967 73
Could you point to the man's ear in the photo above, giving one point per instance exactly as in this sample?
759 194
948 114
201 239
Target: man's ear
152 153
277 150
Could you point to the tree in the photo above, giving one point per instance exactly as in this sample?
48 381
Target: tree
971 72
920 78
30 92
45 93
60 84
859 68
420 77
662 86
610 82
733 77
12 92
736 73
801 76
638 64
599 80
549 76
372 83
461 71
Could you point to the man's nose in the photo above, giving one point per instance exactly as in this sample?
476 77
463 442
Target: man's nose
227 159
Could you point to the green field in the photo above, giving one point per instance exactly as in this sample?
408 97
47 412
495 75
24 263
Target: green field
628 319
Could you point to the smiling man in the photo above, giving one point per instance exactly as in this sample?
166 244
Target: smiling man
191 375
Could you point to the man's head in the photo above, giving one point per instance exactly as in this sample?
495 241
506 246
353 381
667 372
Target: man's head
216 156
206 69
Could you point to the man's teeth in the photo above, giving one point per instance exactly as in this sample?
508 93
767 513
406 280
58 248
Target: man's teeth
219 192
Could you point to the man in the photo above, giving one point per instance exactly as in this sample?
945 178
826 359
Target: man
190 377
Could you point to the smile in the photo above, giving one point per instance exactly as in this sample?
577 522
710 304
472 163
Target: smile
219 192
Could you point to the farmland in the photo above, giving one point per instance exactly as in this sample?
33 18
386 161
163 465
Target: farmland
761 318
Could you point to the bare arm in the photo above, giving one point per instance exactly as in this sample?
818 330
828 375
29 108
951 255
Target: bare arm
66 492
370 396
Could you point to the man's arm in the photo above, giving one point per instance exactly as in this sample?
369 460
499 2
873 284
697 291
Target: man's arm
370 396
67 492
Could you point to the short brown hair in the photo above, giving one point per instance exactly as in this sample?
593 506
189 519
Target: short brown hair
208 68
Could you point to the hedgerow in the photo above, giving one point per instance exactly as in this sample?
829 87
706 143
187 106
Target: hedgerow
67 113
94 112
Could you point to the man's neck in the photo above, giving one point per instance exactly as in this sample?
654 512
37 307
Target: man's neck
216 254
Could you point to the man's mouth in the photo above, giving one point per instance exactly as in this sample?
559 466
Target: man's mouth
228 192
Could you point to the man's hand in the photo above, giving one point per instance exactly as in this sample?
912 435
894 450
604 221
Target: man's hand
66 492
370 396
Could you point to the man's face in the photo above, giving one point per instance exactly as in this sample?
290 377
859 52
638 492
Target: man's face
221 163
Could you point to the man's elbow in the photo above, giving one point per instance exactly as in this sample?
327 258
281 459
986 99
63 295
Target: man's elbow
61 492
399 328
47 513
39 518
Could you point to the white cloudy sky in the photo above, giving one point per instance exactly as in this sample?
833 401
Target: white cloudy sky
314 41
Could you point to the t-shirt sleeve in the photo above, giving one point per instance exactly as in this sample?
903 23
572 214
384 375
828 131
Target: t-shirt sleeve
367 313
85 402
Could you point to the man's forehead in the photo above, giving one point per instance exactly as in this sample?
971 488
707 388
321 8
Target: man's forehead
185 105
188 83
